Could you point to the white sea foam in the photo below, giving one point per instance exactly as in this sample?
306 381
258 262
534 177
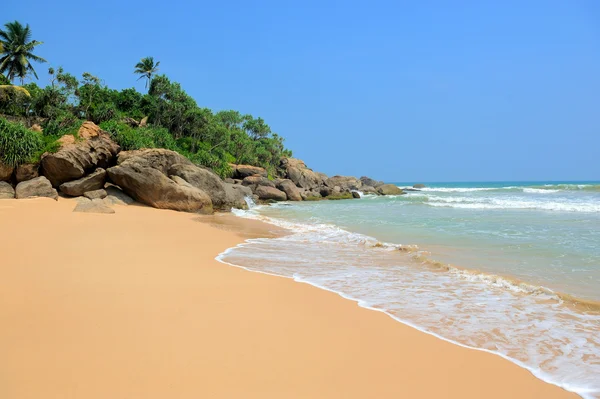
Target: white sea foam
526 324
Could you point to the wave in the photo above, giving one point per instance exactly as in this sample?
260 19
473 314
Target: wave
533 326
533 189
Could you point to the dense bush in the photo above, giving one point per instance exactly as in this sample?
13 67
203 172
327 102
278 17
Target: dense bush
18 144
130 138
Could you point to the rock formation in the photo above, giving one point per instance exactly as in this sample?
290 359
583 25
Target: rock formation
93 181
38 187
6 190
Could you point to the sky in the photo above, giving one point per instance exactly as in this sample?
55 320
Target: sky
397 90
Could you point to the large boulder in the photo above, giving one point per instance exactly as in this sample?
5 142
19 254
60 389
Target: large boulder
96 194
419 185
6 190
303 177
93 181
389 189
236 195
241 171
203 179
270 193
73 160
290 189
255 181
38 187
27 171
93 206
367 181
116 196
141 174
155 158
5 172
346 183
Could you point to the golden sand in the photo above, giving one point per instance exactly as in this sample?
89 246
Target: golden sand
133 305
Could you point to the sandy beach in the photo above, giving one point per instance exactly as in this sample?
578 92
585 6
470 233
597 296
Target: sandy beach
134 305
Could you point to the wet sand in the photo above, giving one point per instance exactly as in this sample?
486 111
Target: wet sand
133 305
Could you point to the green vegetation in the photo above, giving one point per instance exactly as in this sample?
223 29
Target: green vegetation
171 118
17 143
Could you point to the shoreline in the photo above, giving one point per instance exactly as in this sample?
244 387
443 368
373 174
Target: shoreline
179 324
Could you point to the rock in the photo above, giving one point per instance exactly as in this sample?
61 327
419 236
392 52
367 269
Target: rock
369 190
290 190
93 206
255 181
26 172
419 185
156 158
270 193
130 121
38 187
303 177
367 181
144 122
203 179
355 194
96 194
91 182
5 172
6 190
229 180
152 187
325 191
242 171
115 196
236 195
36 128
346 183
66 140
389 189
74 160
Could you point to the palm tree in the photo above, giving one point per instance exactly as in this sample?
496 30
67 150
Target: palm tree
17 51
146 67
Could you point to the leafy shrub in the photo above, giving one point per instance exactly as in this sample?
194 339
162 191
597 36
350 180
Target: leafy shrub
18 144
131 138
64 123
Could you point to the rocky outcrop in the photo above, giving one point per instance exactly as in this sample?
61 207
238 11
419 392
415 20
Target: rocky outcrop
5 172
303 177
367 181
255 181
270 193
93 206
290 190
236 195
345 183
93 181
38 187
115 196
142 175
389 189
74 159
242 171
6 190
203 179
96 194
419 185
26 172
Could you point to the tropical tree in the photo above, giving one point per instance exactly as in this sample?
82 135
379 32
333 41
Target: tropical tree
17 51
146 68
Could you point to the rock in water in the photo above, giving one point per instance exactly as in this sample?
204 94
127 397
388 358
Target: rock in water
93 181
346 183
96 194
236 195
389 189
5 172
419 185
303 177
74 159
6 190
290 189
93 206
355 194
26 172
38 187
270 193
367 181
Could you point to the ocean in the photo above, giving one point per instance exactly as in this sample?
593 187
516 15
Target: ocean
511 268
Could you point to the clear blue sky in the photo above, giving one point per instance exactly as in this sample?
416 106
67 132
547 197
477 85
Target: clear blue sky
398 90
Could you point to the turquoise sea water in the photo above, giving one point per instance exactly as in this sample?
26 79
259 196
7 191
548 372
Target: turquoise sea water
508 267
